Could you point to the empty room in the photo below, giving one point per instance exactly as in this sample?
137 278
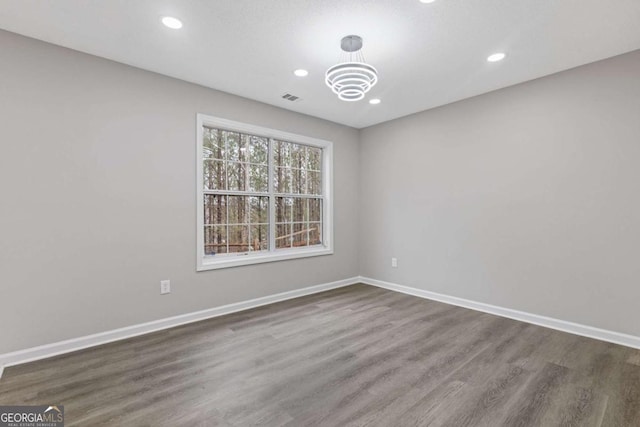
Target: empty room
319 213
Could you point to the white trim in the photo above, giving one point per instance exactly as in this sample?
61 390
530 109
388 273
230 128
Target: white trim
62 347
547 322
210 263
263 256
1 371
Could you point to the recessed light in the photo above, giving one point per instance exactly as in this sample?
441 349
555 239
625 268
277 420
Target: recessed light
301 73
427 1
374 101
496 57
171 22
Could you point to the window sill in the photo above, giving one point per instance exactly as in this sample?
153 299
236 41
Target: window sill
212 263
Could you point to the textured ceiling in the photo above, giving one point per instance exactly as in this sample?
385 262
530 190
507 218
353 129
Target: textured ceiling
426 54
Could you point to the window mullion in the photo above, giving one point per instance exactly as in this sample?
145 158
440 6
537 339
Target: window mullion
300 196
236 193
272 199
226 185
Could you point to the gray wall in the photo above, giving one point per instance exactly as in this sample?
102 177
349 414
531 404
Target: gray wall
97 190
526 198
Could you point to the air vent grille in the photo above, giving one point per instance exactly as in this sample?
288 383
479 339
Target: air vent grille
290 97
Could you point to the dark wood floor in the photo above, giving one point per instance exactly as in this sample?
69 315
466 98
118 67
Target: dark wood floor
354 356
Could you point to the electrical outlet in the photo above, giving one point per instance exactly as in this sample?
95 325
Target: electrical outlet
165 287
394 262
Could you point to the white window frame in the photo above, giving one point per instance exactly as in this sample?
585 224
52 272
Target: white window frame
213 262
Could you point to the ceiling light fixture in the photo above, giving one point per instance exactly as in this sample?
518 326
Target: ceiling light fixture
171 22
496 57
374 101
301 73
427 1
351 78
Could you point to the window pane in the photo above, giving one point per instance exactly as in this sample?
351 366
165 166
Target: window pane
237 173
259 210
258 179
315 233
283 235
236 146
215 209
315 210
258 150
282 179
215 240
238 210
214 175
238 238
298 181
282 154
300 234
213 145
314 158
283 209
314 183
300 209
259 237
243 154
298 156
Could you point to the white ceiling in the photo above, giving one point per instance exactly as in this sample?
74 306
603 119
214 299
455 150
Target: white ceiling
426 54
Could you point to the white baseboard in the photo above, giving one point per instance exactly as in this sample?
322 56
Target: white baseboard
54 349
547 322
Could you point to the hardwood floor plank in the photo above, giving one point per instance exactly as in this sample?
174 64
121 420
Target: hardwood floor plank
623 407
634 357
535 397
354 356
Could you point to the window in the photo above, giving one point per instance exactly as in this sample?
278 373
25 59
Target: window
263 195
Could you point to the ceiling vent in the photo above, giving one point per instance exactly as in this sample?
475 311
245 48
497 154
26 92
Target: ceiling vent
290 97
